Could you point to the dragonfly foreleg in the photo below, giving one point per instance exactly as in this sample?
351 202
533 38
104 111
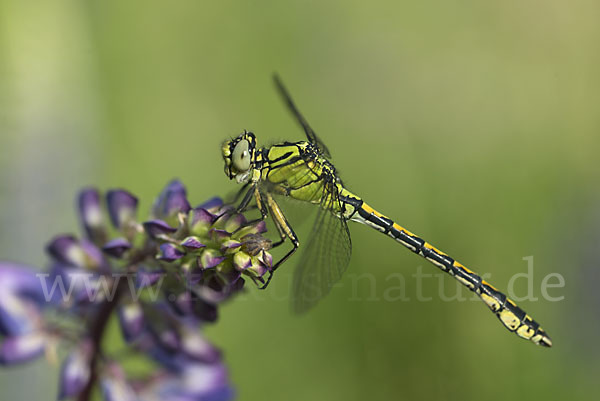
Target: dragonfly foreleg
233 200
247 198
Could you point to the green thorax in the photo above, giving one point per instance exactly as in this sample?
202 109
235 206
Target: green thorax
300 171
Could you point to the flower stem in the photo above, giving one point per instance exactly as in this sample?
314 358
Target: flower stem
96 331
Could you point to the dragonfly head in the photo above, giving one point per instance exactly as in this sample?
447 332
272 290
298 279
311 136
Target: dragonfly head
238 155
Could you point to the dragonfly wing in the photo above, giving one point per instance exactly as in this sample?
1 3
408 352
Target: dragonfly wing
324 260
310 134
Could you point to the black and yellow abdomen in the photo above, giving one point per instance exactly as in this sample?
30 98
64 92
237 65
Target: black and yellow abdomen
511 316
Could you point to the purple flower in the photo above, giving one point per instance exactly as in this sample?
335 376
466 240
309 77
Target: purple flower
17 316
22 348
116 247
171 201
92 215
66 249
163 279
115 386
170 253
212 204
21 280
200 221
148 278
192 243
122 207
196 347
21 322
75 372
210 258
158 228
131 319
197 382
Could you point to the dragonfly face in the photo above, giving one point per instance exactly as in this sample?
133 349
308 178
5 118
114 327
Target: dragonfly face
239 156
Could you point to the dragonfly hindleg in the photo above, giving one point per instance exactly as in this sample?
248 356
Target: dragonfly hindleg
285 232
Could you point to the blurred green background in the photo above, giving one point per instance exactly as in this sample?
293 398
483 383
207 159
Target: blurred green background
474 124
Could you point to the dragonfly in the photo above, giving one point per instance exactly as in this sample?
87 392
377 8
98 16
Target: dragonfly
303 171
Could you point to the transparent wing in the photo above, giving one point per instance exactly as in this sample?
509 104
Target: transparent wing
310 134
325 258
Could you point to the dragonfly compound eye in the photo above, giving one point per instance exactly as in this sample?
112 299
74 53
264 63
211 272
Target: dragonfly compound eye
241 156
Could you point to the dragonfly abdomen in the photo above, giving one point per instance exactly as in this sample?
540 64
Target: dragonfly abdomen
511 316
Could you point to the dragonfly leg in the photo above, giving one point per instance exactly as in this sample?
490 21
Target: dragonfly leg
280 262
285 231
244 206
260 205
282 234
235 198
247 198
